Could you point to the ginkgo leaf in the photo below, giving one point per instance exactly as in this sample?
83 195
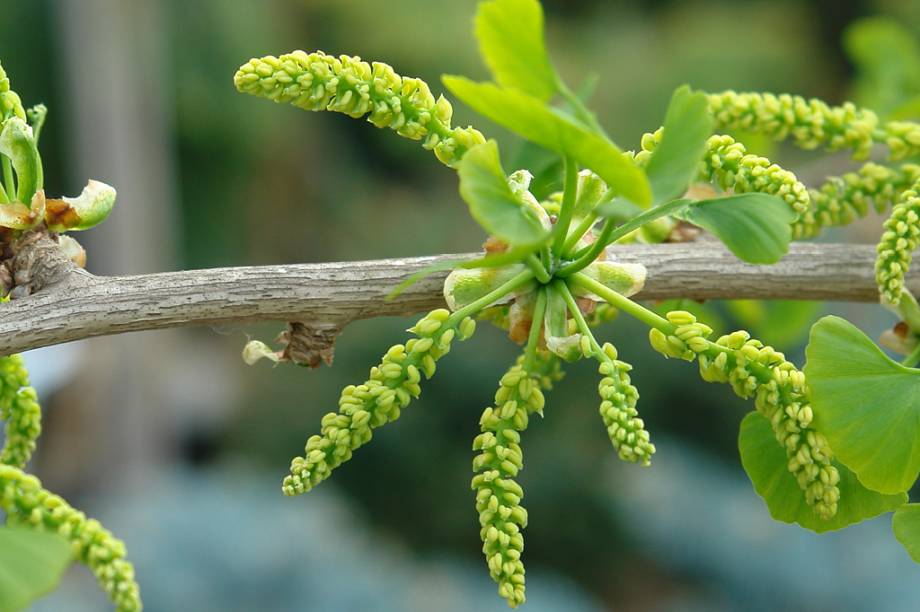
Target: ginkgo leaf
31 564
675 161
484 187
906 527
510 35
765 462
754 226
867 405
530 118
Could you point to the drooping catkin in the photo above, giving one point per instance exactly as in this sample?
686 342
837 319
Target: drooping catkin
362 408
497 464
348 85
779 391
26 503
20 409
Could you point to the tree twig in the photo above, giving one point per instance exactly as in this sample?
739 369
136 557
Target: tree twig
84 306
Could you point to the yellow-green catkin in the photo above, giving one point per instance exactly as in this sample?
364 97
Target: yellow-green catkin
780 394
20 409
900 238
362 408
618 410
500 459
842 199
727 163
26 503
811 123
346 84
902 138
10 104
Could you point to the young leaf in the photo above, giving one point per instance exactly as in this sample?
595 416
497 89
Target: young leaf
31 564
17 143
765 461
510 35
675 162
906 527
530 118
83 212
462 287
867 405
754 226
484 187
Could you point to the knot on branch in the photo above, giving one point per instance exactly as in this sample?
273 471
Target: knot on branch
37 260
308 344
304 344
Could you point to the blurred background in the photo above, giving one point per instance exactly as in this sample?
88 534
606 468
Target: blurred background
179 448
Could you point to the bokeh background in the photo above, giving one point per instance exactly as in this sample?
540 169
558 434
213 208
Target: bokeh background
180 448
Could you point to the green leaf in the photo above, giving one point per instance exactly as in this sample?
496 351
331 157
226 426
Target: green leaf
17 143
765 461
484 187
31 564
867 405
754 226
510 35
675 162
83 212
530 118
906 527
464 286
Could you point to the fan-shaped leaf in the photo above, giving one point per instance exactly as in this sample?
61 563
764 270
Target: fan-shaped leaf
867 405
765 461
484 187
675 161
906 527
530 118
510 35
754 226
31 564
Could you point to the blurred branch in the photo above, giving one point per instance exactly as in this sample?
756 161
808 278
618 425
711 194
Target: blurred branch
83 305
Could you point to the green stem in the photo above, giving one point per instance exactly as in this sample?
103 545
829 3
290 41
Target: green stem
583 327
575 235
496 294
610 234
546 255
592 252
8 179
651 318
568 205
536 324
912 359
538 269
621 302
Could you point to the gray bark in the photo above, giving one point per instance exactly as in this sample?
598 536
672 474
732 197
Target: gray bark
337 293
